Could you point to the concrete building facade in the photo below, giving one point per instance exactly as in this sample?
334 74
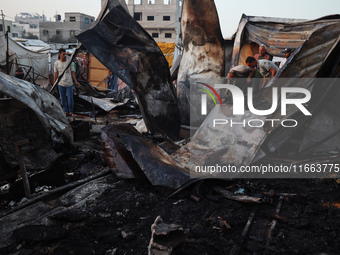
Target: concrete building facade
19 30
29 22
160 18
64 31
157 17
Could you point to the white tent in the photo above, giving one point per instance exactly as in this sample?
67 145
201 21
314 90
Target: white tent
38 59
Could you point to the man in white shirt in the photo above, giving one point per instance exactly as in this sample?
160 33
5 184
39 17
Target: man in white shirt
65 85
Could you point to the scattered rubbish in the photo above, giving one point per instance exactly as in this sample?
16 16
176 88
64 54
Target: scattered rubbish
127 235
241 198
274 222
237 247
240 191
165 238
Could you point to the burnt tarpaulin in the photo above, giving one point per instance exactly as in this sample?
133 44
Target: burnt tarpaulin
30 112
226 140
120 43
131 155
203 51
161 169
275 33
118 158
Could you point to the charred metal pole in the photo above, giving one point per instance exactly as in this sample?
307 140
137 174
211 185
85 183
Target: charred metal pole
7 54
22 167
6 35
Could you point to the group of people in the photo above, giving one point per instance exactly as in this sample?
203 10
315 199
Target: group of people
259 70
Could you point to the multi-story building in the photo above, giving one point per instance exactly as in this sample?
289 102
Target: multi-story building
74 24
29 22
160 18
18 30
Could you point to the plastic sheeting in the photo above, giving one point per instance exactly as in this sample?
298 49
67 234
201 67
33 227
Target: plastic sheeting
39 60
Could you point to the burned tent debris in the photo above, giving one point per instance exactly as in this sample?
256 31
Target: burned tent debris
203 53
120 43
29 112
113 214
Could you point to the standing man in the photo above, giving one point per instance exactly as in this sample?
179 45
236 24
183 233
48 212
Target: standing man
287 53
266 68
65 85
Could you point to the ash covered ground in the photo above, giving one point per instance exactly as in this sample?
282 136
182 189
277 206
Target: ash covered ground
108 215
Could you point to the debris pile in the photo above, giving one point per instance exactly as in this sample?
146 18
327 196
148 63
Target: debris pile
97 181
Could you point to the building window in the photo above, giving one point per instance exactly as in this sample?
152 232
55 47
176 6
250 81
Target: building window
151 17
154 35
87 21
167 1
168 35
137 15
72 19
8 29
72 33
1 28
166 18
57 32
137 1
151 1
45 32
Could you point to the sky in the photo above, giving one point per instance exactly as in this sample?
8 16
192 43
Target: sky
229 12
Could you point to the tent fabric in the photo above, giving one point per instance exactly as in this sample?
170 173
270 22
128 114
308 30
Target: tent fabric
23 56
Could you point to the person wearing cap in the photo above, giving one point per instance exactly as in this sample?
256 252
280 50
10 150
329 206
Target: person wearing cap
267 68
287 53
